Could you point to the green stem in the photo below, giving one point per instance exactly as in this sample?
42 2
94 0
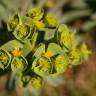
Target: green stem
11 82
26 92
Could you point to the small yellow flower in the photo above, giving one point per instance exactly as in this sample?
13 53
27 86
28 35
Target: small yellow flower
13 22
16 52
5 59
61 63
68 39
65 39
36 82
39 24
47 54
36 13
42 66
74 56
19 64
84 51
22 32
51 20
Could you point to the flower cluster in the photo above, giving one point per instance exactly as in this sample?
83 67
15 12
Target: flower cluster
52 47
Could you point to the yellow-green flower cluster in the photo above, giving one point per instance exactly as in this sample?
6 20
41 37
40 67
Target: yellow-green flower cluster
49 57
67 40
15 58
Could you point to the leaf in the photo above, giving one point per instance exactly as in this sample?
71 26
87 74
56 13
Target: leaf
27 20
39 51
54 48
74 15
10 4
55 81
10 45
93 17
89 25
27 48
49 34
79 4
4 13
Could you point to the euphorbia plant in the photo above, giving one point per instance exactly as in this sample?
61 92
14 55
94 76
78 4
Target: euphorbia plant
41 48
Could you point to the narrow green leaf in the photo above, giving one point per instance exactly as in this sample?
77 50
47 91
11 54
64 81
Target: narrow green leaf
89 25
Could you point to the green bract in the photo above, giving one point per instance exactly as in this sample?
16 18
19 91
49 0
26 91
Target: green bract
13 22
51 20
5 59
62 28
42 66
22 32
36 13
19 64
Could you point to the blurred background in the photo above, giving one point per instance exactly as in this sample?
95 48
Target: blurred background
81 14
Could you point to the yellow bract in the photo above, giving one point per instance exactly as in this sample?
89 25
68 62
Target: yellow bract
16 52
47 54
39 24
